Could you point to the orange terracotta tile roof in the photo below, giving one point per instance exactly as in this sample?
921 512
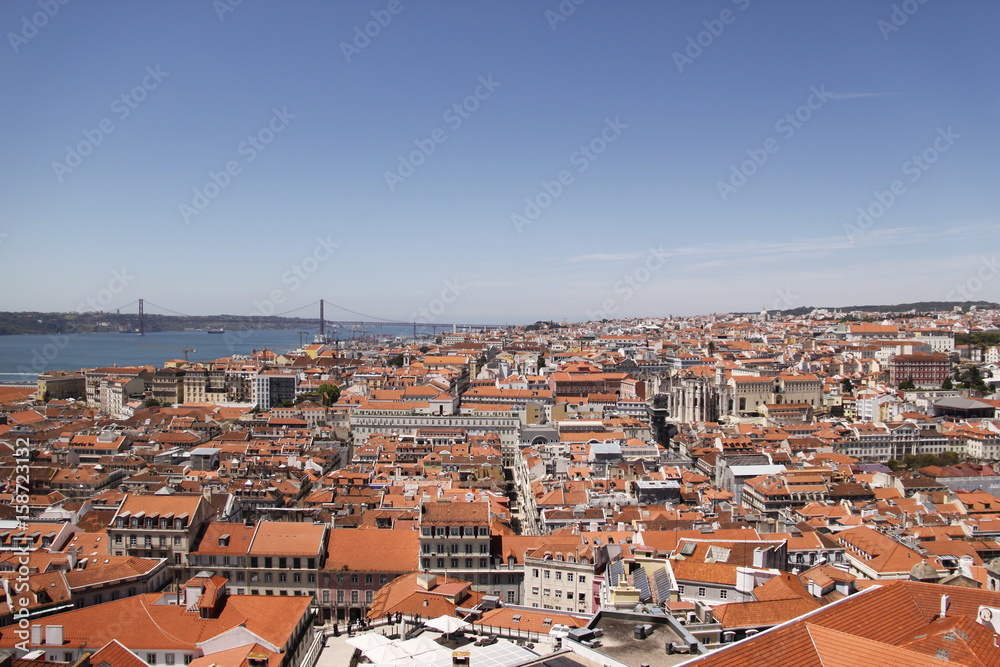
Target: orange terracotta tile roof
141 623
372 549
891 621
528 620
282 538
116 655
761 614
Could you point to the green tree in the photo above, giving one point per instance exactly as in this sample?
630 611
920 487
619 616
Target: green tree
907 385
424 349
329 392
948 458
927 460
395 361
288 404
847 387
947 385
151 402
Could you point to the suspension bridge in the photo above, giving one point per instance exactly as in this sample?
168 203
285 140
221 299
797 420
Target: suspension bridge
369 321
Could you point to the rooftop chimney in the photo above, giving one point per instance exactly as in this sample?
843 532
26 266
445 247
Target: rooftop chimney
54 635
944 606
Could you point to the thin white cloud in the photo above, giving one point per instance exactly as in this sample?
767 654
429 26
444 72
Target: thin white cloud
804 247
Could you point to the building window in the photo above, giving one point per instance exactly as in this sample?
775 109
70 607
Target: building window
680 589
583 579
510 597
723 594
354 597
354 578
569 576
151 658
368 597
558 576
369 579
701 591
547 574
169 658
340 597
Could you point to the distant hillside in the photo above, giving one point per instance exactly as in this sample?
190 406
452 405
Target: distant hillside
920 307
72 323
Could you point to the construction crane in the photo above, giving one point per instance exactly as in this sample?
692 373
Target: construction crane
300 337
185 350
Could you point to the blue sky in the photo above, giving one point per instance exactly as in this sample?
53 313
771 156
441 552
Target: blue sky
683 157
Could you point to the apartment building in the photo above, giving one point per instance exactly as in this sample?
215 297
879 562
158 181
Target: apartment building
559 577
360 561
925 371
273 387
94 377
455 540
158 526
363 425
168 386
58 385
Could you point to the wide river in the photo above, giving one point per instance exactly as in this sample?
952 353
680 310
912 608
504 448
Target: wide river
22 358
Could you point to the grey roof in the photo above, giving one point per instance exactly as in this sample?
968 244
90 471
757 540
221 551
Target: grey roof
753 471
962 403
657 484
